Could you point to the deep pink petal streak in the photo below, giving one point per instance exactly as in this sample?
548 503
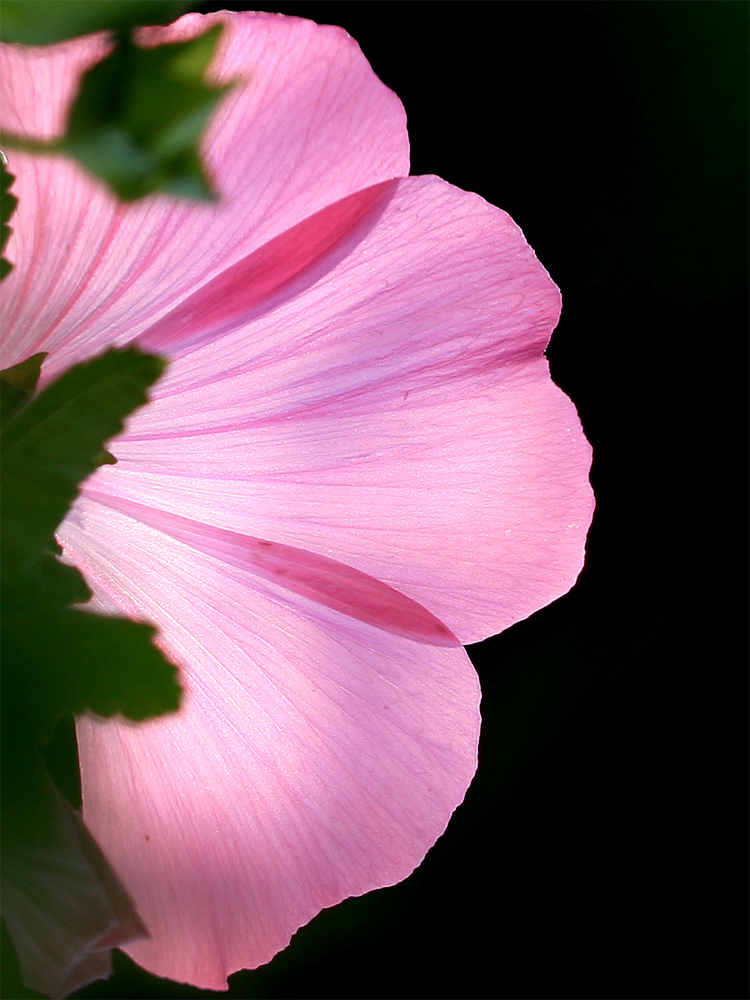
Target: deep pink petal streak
277 271
326 581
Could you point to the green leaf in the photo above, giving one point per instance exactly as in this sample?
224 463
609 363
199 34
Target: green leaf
56 440
18 383
59 659
50 582
8 204
25 374
42 22
139 116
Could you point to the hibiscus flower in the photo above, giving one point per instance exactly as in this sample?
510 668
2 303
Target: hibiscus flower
356 462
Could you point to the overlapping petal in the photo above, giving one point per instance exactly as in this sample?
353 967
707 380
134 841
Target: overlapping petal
307 124
315 757
397 415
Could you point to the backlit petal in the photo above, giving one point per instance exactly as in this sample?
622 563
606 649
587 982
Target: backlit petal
398 416
315 757
308 124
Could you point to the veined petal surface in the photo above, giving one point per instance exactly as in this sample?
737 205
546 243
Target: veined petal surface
315 757
397 416
307 124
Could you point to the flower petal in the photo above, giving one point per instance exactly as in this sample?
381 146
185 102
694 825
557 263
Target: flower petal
308 124
315 757
397 416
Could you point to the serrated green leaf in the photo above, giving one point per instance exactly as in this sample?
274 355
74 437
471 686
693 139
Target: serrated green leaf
55 441
60 659
139 116
11 397
18 383
8 203
53 583
43 22
25 375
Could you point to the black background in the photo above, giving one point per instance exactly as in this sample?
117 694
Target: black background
600 850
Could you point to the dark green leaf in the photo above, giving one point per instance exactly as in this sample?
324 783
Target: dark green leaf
140 114
51 582
57 440
18 383
11 397
42 22
8 204
59 659
25 374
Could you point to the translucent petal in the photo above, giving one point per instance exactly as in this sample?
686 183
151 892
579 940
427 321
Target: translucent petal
397 416
316 757
308 124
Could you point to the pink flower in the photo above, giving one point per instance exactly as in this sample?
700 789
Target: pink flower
356 461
